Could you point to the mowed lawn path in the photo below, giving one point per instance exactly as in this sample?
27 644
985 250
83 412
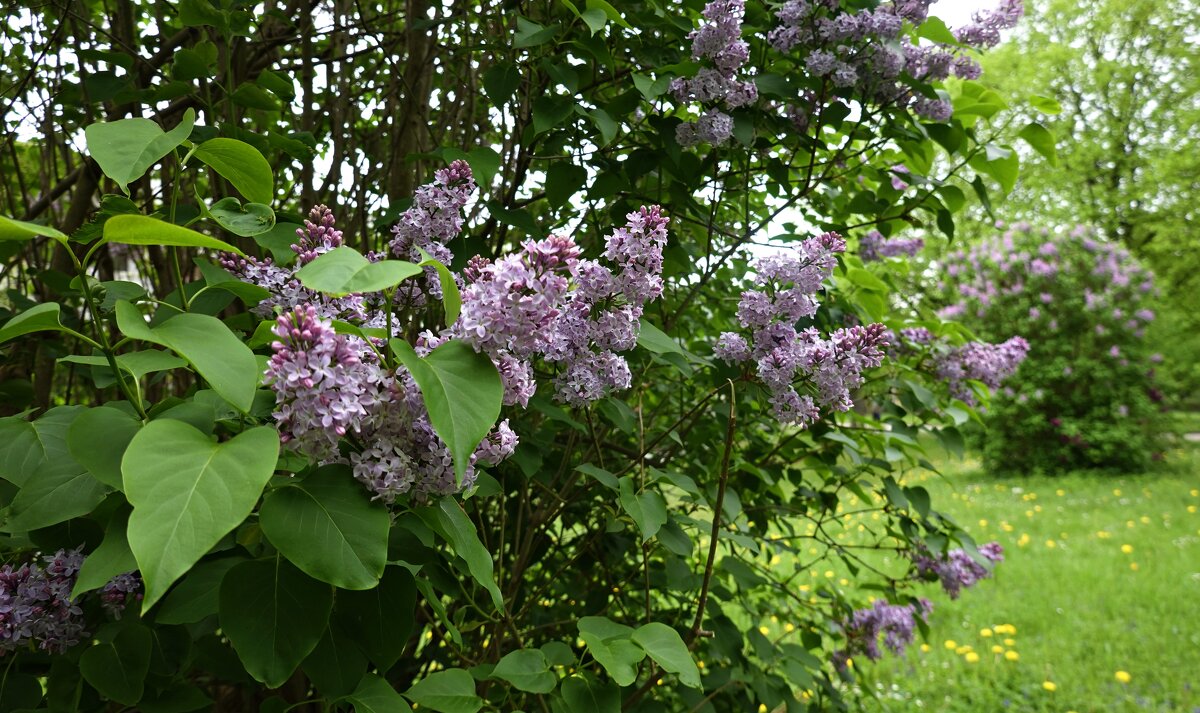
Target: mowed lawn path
1097 607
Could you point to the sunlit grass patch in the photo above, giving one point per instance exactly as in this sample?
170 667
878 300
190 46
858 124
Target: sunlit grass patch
1100 588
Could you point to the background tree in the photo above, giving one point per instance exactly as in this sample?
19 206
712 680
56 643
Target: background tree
1127 76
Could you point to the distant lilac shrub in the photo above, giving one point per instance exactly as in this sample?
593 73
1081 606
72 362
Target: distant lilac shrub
1084 398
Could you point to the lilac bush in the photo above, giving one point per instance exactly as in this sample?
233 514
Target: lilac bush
1084 396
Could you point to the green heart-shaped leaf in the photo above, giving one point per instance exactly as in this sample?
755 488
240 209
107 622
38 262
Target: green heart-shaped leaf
187 492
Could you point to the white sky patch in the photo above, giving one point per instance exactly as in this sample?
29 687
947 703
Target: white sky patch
957 13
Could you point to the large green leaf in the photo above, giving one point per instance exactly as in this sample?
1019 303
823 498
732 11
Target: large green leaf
328 527
111 558
344 270
97 439
187 492
117 667
216 352
380 620
375 695
244 220
527 670
609 643
197 595
25 445
462 392
13 229
242 165
337 664
1041 140
39 318
127 148
450 521
144 230
647 508
274 615
54 487
57 491
584 694
666 647
449 691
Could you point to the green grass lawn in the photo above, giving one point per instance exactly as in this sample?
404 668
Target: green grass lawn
1101 584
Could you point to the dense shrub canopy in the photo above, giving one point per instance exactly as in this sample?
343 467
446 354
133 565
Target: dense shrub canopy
539 412
1085 397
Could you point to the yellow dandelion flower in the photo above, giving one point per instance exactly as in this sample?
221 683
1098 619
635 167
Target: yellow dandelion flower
1028 513
997 649
1051 544
1127 549
1191 508
1012 656
804 587
1117 492
844 582
1037 508
1122 677
964 649
1195 493
1145 520
829 574
1050 686
1130 523
850 663
1133 566
764 630
699 664
1060 492
789 627
925 648
985 633
983 523
951 644
1010 642
775 559
762 708
972 657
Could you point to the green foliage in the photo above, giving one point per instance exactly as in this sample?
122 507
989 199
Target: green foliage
624 543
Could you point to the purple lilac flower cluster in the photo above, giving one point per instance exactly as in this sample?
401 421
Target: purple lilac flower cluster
327 388
36 608
36 605
323 387
829 368
318 236
433 220
980 361
873 246
998 272
866 51
986 26
896 623
718 40
336 402
521 308
958 570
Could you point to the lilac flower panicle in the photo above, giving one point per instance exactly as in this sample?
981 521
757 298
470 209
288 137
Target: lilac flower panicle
873 246
958 570
865 51
782 357
318 236
323 389
118 591
718 40
980 361
36 608
895 623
